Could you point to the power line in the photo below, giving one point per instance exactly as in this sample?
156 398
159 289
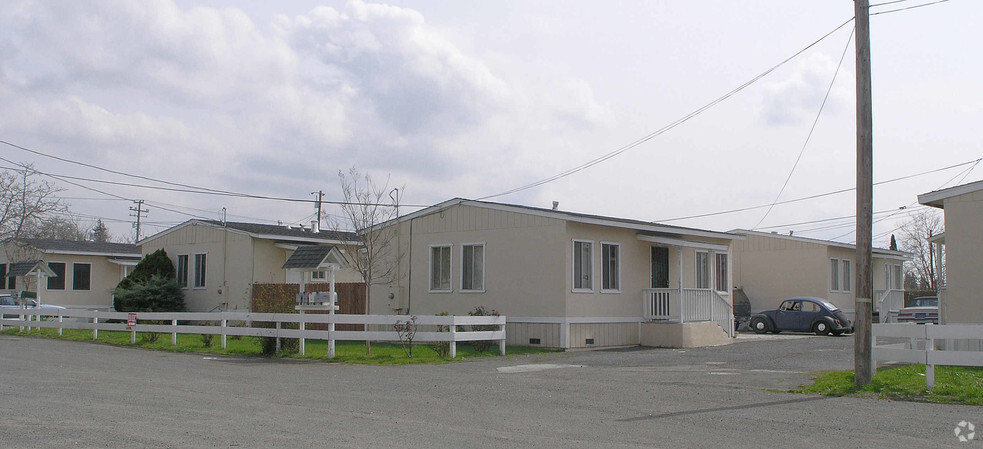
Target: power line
178 187
811 130
820 195
668 127
904 9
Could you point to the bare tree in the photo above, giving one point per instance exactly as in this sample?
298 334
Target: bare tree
26 203
914 239
367 205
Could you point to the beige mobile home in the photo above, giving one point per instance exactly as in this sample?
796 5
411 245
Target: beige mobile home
85 273
960 299
217 263
772 267
563 279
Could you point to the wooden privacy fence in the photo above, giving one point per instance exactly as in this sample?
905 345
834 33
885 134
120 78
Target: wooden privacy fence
189 323
281 298
927 343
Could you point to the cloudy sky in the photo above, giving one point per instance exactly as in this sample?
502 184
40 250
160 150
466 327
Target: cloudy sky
468 99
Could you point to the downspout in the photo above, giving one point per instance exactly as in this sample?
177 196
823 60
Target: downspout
409 272
224 290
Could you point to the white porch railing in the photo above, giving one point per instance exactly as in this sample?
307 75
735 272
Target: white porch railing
687 305
889 302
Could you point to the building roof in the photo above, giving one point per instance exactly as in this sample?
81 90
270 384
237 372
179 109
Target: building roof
53 246
936 198
271 232
638 225
876 251
308 256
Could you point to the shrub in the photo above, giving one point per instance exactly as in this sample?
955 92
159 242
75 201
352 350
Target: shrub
442 348
483 345
206 339
276 299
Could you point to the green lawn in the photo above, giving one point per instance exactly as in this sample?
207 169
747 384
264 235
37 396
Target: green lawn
953 385
345 351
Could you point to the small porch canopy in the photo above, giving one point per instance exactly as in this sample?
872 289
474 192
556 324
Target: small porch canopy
32 268
311 258
681 242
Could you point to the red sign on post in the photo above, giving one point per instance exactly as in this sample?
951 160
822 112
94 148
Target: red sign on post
131 319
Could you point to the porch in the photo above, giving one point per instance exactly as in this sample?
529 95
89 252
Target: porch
687 305
888 303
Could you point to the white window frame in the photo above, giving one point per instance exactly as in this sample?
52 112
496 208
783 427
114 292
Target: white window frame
73 277
319 276
604 267
590 268
187 270
696 270
450 269
464 260
716 287
834 274
897 276
204 273
846 275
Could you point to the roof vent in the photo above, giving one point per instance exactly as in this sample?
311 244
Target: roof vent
556 205
315 226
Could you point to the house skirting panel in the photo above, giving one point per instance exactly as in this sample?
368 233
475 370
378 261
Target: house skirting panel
568 333
683 335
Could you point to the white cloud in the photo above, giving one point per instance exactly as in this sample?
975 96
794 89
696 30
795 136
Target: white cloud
797 98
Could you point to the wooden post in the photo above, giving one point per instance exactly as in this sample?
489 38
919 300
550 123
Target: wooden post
95 328
929 366
865 287
133 335
224 324
174 334
60 321
302 328
452 345
679 257
278 337
331 327
501 343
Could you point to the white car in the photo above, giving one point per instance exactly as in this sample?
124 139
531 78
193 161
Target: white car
9 303
920 310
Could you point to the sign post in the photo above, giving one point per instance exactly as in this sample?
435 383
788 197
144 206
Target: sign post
131 323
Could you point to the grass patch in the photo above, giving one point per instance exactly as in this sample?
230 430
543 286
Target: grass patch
345 351
953 385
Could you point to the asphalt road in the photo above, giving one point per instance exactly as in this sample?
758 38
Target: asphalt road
70 394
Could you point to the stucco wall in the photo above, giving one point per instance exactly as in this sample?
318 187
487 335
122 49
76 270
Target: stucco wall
964 247
772 269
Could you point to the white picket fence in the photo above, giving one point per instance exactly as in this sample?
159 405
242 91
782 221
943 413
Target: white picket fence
243 326
928 344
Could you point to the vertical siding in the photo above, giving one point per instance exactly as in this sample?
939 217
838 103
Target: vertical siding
604 334
518 334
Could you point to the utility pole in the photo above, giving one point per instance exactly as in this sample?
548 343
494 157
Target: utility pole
317 205
138 212
863 369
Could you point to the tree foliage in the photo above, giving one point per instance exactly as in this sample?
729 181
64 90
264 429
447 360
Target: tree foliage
914 236
151 287
100 233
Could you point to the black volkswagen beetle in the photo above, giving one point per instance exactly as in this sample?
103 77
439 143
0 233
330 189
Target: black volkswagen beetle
803 314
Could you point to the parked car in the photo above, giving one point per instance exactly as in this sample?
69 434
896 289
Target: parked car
803 314
7 302
920 310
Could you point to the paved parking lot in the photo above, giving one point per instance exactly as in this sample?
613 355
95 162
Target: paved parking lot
68 394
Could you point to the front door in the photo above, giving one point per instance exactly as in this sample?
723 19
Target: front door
660 267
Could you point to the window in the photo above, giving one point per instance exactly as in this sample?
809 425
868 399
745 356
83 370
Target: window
319 275
182 270
3 275
199 271
473 267
610 267
57 283
440 268
845 280
721 281
81 275
582 267
834 275
702 269
896 269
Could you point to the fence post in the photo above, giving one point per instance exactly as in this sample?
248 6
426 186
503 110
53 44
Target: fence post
133 335
95 328
303 327
60 321
929 365
452 345
331 326
278 337
873 351
174 334
224 323
501 343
